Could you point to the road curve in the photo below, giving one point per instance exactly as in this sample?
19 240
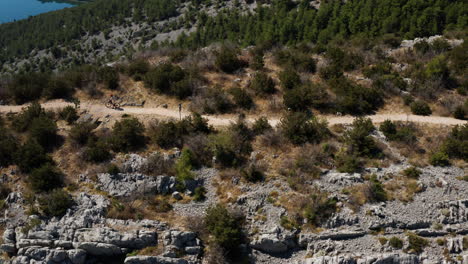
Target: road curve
101 111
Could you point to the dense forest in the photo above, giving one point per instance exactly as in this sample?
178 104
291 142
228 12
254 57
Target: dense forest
284 22
287 23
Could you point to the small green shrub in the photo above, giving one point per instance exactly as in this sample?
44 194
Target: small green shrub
96 151
8 147
262 84
289 79
23 120
127 135
420 108
261 125
44 130
81 133
199 194
31 155
45 178
395 242
459 113
183 167
412 172
348 163
57 87
69 114
241 98
113 169
388 128
300 128
169 79
252 173
439 159
224 227
376 190
416 243
55 203
227 60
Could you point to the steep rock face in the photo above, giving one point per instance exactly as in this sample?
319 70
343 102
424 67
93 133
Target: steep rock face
454 212
84 234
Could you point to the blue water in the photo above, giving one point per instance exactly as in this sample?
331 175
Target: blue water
11 10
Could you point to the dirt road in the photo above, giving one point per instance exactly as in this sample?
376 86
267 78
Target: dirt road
98 110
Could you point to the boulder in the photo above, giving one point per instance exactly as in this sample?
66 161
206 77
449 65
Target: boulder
77 256
276 241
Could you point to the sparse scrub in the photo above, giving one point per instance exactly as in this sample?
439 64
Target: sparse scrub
45 178
300 128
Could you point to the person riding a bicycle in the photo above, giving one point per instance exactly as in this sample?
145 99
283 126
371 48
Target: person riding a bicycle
113 101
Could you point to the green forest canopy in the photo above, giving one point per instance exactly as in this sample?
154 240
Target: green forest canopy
283 22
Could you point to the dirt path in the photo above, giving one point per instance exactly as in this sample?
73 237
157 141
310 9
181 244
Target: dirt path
101 111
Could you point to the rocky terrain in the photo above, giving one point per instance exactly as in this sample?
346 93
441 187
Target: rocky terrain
437 214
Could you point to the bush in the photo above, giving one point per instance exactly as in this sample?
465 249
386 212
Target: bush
27 87
169 79
199 146
224 227
376 192
127 135
211 101
31 155
303 97
300 128
459 113
355 99
456 144
44 130
412 172
395 242
359 140
69 114
57 87
408 100
8 147
81 133
262 84
183 167
229 148
348 163
97 150
199 194
295 59
252 173
23 120
420 108
241 98
157 164
137 69
261 125
109 76
45 178
319 208
416 244
439 159
388 128
55 203
227 60
113 169
289 79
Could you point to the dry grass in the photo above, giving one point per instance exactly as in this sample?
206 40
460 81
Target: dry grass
402 188
227 191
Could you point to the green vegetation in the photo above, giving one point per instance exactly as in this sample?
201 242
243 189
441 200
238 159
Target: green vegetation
416 244
300 128
224 226
45 178
395 242
127 135
55 203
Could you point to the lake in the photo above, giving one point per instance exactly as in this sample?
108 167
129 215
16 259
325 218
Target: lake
11 10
